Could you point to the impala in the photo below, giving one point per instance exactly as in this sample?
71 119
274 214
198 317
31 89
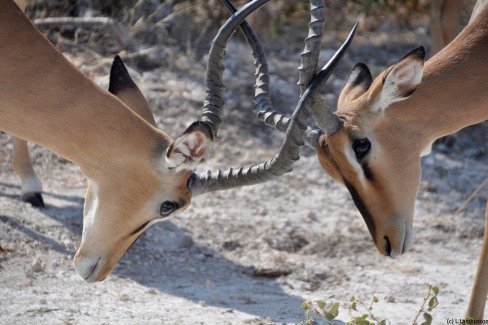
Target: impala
390 122
382 127
444 17
136 174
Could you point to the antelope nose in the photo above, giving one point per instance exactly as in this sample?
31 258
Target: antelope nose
387 244
86 266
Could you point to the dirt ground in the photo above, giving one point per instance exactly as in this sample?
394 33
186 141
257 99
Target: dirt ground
249 255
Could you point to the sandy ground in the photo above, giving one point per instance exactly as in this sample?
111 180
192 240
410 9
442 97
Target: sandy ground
250 255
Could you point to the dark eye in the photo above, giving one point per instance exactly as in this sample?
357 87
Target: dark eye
167 207
361 148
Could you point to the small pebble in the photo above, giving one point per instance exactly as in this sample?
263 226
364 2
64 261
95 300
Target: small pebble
36 265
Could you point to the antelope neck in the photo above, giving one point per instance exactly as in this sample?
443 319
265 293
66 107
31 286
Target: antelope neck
452 94
45 100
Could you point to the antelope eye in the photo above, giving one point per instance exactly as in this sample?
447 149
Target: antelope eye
167 208
361 148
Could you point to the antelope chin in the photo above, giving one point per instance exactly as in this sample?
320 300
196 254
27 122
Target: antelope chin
408 241
88 267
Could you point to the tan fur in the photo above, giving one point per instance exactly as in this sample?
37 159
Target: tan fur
21 161
133 98
45 100
451 96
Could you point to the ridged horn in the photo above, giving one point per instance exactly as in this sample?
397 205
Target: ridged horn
322 115
214 102
282 162
263 106
310 54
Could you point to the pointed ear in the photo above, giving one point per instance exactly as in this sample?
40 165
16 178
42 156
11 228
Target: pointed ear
399 81
124 88
188 150
356 84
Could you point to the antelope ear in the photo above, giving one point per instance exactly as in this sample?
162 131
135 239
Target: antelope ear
399 81
357 83
125 89
188 150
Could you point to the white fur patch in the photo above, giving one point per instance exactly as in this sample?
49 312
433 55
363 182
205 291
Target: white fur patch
427 150
91 209
351 158
31 184
409 240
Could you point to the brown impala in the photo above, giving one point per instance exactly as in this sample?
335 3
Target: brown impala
382 127
137 174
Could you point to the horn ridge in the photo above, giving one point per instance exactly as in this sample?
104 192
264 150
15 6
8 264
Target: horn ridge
311 52
214 102
263 104
289 151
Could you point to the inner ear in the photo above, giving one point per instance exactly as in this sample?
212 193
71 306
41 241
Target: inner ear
399 81
188 150
357 83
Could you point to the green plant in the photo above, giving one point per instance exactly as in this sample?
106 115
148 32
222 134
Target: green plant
366 318
316 311
431 297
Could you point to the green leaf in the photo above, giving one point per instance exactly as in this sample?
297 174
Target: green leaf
353 306
433 303
383 322
375 299
305 306
353 299
428 319
321 304
436 290
334 310
328 316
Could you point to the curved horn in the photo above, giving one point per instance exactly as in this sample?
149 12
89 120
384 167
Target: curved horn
310 54
322 115
289 151
214 101
263 107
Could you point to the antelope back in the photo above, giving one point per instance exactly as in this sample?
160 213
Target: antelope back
134 177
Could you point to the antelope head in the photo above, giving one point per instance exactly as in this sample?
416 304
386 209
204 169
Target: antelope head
368 156
162 168
117 210
137 174
357 144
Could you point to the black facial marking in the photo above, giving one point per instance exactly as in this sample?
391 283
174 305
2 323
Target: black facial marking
362 208
367 171
139 228
119 77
